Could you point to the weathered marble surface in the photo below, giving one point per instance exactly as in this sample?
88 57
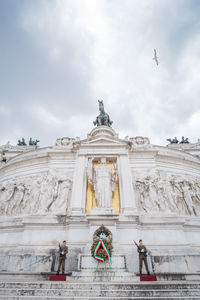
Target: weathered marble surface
48 193
168 194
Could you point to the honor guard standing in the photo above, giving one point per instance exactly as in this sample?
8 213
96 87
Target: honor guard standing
63 250
142 250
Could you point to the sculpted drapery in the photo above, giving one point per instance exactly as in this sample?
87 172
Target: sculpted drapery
103 180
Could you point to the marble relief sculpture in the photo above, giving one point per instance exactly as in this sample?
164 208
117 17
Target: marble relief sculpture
139 142
45 194
168 195
61 197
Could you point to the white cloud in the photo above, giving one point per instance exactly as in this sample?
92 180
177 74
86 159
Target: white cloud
4 110
48 118
100 49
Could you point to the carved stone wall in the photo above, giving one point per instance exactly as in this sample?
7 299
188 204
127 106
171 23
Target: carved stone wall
48 193
168 194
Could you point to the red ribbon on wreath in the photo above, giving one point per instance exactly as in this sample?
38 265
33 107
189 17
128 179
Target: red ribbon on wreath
101 243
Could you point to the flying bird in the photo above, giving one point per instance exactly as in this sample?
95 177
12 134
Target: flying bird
155 57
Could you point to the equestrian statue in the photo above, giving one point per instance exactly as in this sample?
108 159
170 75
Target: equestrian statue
103 118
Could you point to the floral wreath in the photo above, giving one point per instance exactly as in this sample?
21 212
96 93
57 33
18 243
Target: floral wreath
102 247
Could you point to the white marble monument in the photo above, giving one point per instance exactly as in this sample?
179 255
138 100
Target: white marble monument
66 191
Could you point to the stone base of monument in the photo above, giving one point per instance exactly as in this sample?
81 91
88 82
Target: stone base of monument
102 211
93 270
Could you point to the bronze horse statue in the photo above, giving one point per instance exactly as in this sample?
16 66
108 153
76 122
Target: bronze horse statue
103 119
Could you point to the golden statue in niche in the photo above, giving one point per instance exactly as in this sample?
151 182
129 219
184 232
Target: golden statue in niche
102 185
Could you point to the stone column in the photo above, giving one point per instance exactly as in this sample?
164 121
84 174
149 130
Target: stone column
79 186
127 195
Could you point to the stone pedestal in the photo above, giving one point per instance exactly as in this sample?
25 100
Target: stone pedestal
102 211
92 270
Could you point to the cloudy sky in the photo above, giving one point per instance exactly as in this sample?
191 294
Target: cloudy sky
58 57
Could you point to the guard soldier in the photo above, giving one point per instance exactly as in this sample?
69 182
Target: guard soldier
142 250
63 250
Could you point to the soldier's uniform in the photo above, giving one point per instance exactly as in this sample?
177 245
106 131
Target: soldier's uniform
142 258
62 251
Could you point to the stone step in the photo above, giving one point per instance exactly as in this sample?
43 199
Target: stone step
95 298
103 276
89 276
100 286
99 293
63 290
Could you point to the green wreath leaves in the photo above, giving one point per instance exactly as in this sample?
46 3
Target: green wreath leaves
106 236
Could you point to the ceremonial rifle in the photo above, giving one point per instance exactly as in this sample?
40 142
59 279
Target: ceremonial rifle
60 250
140 250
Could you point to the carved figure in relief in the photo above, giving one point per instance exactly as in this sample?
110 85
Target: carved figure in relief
16 205
9 203
54 194
65 142
142 192
6 195
59 206
194 189
37 193
146 193
162 199
47 193
168 194
178 196
27 204
187 198
139 141
153 195
31 194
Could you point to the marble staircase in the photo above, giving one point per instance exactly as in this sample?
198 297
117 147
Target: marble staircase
45 290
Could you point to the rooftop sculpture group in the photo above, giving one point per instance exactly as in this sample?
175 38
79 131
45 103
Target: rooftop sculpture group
21 142
175 141
31 142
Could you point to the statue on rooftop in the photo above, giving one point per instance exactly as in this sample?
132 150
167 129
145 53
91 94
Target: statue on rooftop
184 140
32 142
173 141
21 142
103 119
